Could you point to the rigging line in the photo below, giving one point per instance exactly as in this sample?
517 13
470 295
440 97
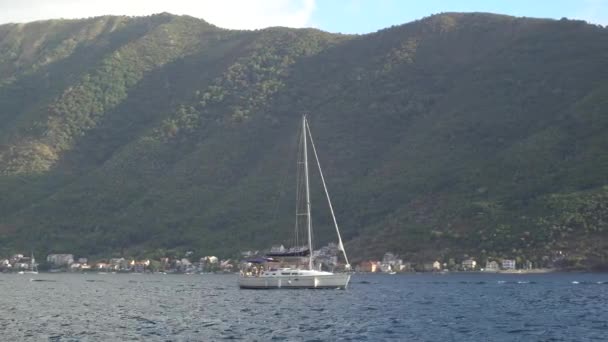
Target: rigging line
333 216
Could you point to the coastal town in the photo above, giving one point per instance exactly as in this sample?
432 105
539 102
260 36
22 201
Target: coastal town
325 258
391 264
69 263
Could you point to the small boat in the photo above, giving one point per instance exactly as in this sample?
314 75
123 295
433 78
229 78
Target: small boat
298 277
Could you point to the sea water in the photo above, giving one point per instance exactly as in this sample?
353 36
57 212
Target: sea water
408 307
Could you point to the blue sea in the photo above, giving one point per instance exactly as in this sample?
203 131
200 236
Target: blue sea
409 307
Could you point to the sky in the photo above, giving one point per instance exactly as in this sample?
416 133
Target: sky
345 16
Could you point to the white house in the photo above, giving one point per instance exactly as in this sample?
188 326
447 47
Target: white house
119 264
60 259
508 264
437 266
491 266
15 258
212 259
469 264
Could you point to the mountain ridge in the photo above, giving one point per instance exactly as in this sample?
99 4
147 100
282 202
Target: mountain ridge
455 134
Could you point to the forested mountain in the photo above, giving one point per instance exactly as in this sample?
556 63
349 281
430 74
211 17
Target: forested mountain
456 134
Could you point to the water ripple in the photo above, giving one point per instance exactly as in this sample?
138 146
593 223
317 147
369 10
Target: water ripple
459 307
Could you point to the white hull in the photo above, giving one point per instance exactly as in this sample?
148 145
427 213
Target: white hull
323 281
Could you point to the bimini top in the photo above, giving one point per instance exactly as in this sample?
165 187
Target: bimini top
292 252
260 260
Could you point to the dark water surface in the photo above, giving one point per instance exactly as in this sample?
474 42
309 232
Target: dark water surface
423 307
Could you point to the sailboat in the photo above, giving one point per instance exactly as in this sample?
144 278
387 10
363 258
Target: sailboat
299 277
32 269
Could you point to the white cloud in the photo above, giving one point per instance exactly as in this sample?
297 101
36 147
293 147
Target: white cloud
593 11
235 14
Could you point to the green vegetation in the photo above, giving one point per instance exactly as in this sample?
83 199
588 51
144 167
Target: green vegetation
457 134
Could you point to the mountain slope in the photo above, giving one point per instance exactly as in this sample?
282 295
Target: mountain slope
456 134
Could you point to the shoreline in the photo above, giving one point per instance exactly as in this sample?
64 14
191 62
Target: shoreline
516 272
530 271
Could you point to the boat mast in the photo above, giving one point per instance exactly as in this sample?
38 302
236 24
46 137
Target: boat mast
308 219
331 208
